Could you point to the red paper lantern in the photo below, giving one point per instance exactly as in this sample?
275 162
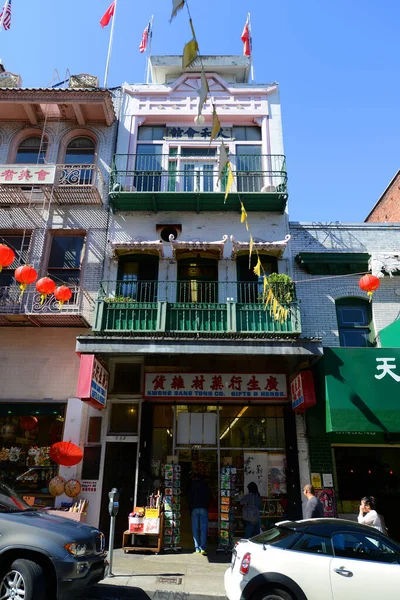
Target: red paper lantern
45 286
369 283
7 256
25 275
63 294
66 454
28 423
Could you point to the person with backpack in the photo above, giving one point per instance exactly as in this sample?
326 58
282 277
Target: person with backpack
251 511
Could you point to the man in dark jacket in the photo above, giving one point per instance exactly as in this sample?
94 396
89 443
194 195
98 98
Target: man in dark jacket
314 507
199 500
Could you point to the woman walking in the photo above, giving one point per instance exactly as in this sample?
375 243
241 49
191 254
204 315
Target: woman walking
251 511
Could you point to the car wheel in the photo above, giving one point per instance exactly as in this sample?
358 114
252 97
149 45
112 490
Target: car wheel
23 580
271 594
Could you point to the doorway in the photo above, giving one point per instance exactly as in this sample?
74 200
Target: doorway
119 472
198 280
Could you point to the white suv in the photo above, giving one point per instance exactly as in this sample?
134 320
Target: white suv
331 559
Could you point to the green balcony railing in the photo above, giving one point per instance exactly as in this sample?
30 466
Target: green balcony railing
190 307
140 181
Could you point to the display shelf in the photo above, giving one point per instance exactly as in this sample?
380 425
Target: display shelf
128 540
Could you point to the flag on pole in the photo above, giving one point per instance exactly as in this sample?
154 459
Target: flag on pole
246 37
105 19
222 160
176 6
145 38
229 182
216 125
5 15
203 91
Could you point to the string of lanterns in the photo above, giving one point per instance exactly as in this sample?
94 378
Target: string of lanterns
26 275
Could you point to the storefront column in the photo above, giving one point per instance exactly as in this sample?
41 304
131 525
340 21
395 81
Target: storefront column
294 507
304 457
74 431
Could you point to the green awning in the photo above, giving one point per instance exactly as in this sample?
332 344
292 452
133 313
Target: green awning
390 335
362 389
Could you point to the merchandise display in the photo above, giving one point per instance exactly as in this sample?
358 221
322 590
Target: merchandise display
172 507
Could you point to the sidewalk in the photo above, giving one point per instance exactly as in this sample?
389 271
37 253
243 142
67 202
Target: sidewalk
167 576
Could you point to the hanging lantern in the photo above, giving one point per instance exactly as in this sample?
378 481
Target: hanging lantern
66 454
7 256
45 286
369 283
63 294
28 423
25 275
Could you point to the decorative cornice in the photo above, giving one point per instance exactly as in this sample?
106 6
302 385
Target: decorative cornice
197 245
275 248
120 248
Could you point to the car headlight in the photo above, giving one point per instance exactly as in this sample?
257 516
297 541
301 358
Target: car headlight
76 548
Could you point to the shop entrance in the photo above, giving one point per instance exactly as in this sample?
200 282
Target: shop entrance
369 471
119 472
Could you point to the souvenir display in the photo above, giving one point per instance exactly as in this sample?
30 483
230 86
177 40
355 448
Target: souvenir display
172 507
57 486
72 488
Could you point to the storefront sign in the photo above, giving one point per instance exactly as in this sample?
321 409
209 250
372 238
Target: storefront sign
27 174
196 133
89 486
362 389
193 386
316 480
302 390
92 381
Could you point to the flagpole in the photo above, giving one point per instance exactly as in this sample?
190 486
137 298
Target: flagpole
149 50
251 48
3 16
110 44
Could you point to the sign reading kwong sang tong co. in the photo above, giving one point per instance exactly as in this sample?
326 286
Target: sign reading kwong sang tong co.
263 386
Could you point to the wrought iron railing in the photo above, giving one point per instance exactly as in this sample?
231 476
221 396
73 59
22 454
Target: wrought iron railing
197 174
78 175
11 302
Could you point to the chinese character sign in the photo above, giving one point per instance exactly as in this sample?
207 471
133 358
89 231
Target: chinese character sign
196 133
216 385
92 381
27 174
302 391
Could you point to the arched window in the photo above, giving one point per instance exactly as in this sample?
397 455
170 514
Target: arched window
80 151
355 323
32 150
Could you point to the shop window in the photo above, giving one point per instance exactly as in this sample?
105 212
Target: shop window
313 545
65 258
124 418
20 245
127 378
363 547
198 280
252 427
94 430
149 133
91 462
137 277
355 323
32 150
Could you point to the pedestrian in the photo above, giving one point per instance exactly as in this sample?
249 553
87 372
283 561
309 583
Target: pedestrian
314 507
251 511
199 500
369 516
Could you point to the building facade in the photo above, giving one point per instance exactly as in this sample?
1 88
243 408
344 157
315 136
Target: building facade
199 370
56 148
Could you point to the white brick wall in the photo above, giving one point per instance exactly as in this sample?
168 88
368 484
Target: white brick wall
318 293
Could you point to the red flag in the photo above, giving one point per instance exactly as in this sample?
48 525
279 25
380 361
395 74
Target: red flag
105 19
145 38
246 39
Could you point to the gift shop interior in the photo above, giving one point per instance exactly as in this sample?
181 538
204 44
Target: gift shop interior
27 431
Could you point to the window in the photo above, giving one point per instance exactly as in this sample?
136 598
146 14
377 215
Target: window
249 168
32 150
250 286
127 378
80 151
147 132
363 547
247 134
137 277
65 258
148 168
124 418
314 544
354 322
277 536
20 245
198 280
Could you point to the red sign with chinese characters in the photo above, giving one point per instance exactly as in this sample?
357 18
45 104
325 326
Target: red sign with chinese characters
92 381
24 174
302 390
201 386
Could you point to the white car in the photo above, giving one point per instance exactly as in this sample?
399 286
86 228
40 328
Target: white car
329 559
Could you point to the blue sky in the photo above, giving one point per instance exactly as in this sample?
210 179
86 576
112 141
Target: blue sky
337 65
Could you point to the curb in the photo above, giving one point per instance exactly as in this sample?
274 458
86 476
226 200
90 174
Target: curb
124 592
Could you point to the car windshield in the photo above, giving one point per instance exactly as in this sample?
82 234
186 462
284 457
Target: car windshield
277 536
11 502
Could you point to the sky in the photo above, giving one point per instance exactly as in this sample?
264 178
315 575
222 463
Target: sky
337 65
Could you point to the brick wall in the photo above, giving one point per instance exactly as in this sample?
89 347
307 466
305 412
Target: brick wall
388 207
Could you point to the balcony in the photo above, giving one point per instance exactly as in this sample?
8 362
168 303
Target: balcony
28 310
189 307
141 182
62 184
